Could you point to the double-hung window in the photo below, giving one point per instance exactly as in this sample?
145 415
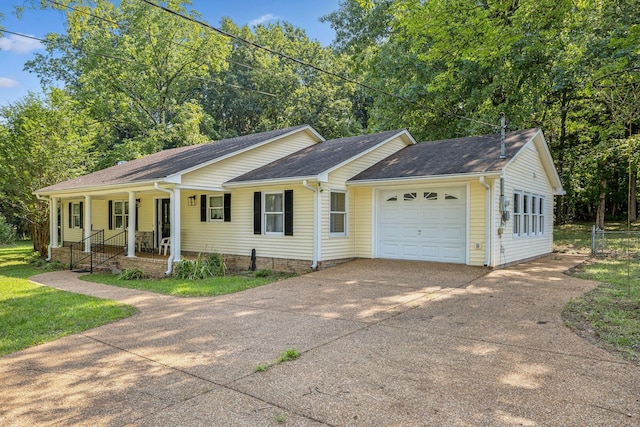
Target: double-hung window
274 213
120 214
517 213
338 213
76 215
216 208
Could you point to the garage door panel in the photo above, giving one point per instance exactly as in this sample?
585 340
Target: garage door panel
429 226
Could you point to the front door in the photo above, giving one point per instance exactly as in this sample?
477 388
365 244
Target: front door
163 213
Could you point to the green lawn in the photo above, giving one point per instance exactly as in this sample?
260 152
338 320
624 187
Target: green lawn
32 314
610 314
187 288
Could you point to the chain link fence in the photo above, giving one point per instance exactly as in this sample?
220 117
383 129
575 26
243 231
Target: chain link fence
617 244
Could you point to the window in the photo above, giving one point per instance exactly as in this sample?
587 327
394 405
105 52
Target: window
338 213
274 213
430 195
120 214
528 214
517 214
409 197
216 208
76 215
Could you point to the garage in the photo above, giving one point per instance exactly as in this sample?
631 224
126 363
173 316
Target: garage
425 224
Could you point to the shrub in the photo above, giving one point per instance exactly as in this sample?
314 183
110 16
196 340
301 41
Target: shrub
7 232
200 268
131 274
263 273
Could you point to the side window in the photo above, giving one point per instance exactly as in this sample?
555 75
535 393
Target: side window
273 213
76 215
517 213
120 214
338 213
216 208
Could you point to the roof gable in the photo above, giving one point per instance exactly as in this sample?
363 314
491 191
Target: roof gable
475 154
320 158
174 161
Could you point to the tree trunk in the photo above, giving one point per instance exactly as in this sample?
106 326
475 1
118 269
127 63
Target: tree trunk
560 201
601 204
40 237
633 198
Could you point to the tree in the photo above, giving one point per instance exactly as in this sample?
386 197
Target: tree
136 68
43 140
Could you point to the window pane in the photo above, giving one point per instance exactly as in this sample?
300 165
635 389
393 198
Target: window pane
76 208
337 223
274 223
216 213
126 207
118 221
215 201
430 195
273 202
338 202
117 208
516 203
410 196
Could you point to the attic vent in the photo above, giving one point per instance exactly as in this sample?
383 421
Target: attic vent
121 162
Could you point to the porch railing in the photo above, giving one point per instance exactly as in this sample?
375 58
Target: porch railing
78 249
101 250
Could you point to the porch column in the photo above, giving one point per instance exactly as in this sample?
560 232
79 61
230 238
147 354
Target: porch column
53 222
131 226
175 225
87 223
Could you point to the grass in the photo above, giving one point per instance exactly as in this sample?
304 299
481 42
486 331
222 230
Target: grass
211 286
608 316
32 314
285 356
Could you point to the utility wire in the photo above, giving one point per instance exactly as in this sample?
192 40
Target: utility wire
44 41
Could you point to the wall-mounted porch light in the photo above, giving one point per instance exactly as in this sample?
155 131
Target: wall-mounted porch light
191 200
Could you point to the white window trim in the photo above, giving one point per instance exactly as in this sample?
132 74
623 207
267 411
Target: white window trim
265 213
74 215
209 208
124 214
526 214
345 213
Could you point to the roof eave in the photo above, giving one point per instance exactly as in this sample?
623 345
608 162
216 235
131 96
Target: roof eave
274 181
103 188
401 180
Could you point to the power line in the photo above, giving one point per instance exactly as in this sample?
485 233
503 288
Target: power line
277 53
44 41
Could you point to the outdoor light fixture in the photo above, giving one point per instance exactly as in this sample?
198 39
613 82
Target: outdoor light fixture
191 200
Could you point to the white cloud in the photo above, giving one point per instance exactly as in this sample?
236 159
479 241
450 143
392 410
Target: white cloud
264 18
19 44
7 82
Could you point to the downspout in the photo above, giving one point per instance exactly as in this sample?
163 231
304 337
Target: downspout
51 225
487 226
316 222
172 246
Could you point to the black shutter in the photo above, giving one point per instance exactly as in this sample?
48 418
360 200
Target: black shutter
70 215
288 212
257 212
81 215
110 214
137 215
203 208
227 207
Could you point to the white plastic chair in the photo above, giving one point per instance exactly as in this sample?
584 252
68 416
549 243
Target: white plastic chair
164 245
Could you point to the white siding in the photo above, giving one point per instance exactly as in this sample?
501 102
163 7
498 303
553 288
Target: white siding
527 174
236 237
217 173
477 223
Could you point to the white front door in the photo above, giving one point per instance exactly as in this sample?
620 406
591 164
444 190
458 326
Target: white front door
427 224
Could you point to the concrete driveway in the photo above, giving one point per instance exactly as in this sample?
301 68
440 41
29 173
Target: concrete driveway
381 343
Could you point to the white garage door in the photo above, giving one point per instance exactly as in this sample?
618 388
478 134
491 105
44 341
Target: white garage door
427 224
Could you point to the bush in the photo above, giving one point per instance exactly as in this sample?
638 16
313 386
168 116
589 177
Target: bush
262 273
38 261
7 232
131 274
200 268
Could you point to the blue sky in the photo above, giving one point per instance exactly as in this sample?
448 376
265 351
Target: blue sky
15 51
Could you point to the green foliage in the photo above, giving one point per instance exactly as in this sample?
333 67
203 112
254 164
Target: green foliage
212 286
131 274
201 268
263 273
33 314
286 356
7 232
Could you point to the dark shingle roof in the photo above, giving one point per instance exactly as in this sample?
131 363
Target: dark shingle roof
168 162
316 159
472 154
